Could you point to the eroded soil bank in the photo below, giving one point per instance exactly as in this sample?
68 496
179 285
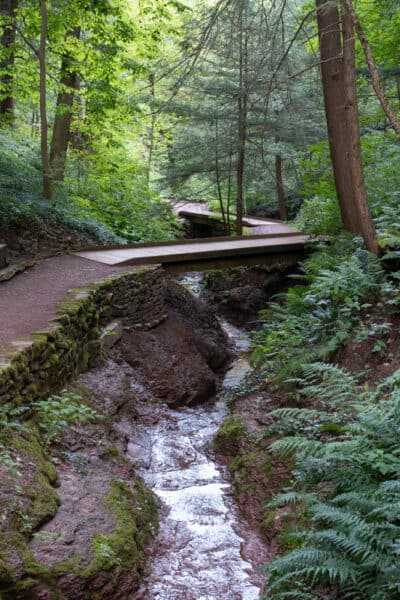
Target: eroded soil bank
78 518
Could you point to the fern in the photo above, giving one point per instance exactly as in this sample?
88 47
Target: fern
289 445
353 541
322 315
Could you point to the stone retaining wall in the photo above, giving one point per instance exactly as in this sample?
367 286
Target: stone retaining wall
36 367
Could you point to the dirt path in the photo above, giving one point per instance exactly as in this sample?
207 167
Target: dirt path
30 299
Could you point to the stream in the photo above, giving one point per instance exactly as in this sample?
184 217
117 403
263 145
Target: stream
200 551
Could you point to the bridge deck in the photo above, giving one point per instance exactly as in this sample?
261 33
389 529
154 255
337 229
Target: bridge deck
193 250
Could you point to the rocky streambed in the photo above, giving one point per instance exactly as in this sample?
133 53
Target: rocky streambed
203 550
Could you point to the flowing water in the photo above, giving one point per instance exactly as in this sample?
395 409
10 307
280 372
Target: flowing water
199 552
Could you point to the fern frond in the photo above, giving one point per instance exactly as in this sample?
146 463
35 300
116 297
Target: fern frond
290 498
288 446
341 542
334 515
313 565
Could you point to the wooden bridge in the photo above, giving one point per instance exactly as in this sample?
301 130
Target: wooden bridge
206 253
198 214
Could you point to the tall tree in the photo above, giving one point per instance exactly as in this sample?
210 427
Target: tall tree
280 190
242 107
336 42
366 225
8 9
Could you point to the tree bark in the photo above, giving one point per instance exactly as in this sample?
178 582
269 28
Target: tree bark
229 193
69 84
331 56
242 121
280 190
218 178
353 127
375 79
47 193
152 83
8 9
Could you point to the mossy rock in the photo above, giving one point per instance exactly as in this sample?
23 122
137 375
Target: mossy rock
230 436
36 501
136 523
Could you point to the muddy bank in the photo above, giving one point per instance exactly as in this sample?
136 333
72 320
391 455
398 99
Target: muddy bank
256 475
240 293
180 361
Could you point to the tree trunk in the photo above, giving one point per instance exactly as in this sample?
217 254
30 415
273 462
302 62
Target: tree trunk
375 79
333 88
43 109
242 120
340 94
152 127
69 84
240 167
8 9
229 192
280 190
367 228
218 177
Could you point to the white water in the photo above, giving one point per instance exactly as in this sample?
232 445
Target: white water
198 552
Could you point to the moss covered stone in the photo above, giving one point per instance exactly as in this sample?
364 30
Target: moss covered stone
136 523
229 437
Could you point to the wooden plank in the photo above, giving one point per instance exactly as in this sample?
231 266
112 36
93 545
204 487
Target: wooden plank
190 251
185 241
197 210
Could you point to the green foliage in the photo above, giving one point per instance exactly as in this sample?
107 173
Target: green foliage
105 197
202 160
320 213
56 413
349 485
22 206
10 420
321 315
319 216
111 188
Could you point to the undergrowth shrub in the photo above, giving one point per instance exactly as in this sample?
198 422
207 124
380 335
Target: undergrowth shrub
105 196
320 215
111 187
314 319
21 200
58 412
347 480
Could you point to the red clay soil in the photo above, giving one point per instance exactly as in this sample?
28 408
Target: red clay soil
30 300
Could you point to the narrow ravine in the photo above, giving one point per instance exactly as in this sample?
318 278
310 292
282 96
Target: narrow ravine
199 553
